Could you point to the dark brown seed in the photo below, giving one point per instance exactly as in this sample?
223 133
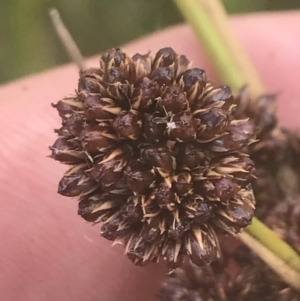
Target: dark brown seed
110 169
114 75
164 58
164 195
67 106
203 247
67 151
128 125
238 165
198 210
183 184
182 127
112 58
237 214
100 108
171 255
92 208
89 84
109 228
151 231
142 64
221 189
191 155
97 138
173 100
118 187
154 128
240 134
181 65
63 132
139 178
193 82
176 228
218 94
213 123
163 76
159 157
76 182
74 124
144 92
131 212
136 249
203 212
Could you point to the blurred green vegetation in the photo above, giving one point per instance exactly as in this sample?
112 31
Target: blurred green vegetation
29 44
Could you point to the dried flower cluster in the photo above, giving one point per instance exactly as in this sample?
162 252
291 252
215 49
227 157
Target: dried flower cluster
276 154
284 219
255 281
192 283
155 154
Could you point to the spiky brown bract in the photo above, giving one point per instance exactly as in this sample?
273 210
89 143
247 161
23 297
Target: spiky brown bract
155 155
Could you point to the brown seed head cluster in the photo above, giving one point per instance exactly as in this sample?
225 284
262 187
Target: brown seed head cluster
255 281
155 154
192 283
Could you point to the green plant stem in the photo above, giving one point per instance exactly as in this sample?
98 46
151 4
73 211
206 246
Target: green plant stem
213 44
272 241
210 22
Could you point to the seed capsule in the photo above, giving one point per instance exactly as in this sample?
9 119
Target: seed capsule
67 151
139 178
165 57
193 82
160 158
183 127
155 128
128 125
76 182
96 138
100 108
173 100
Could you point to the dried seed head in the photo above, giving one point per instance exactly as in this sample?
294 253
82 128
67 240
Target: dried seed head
257 281
156 156
192 283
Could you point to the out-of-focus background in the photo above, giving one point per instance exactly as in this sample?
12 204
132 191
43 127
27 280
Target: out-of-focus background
28 43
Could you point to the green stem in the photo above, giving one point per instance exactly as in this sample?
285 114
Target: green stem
213 44
271 241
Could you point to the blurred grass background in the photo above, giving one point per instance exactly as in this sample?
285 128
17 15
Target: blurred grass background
29 44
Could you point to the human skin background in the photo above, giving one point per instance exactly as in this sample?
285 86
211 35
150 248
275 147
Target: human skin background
47 252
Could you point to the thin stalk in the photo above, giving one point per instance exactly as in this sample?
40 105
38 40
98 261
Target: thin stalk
66 39
210 22
273 243
214 44
218 15
289 275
